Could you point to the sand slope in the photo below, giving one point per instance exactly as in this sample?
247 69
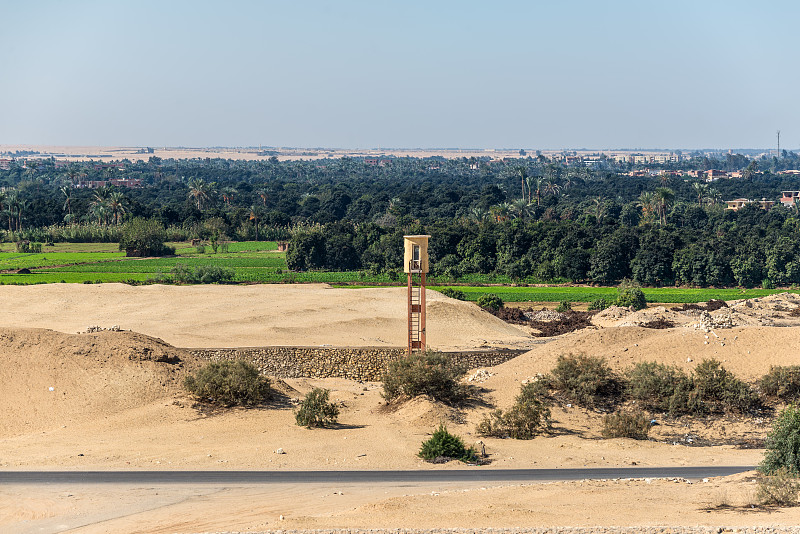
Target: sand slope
257 315
91 375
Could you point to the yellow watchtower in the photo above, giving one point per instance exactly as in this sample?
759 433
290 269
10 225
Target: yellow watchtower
415 261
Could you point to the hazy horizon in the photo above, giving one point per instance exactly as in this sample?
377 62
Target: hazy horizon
364 74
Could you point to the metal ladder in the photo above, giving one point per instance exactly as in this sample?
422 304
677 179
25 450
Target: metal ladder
414 313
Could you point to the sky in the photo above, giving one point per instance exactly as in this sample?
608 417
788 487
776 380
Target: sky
546 75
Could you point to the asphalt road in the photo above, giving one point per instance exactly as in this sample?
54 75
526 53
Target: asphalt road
476 474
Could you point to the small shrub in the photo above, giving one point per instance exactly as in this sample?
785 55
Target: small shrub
585 380
564 306
229 383
200 249
766 283
783 443
453 293
425 373
529 416
778 489
626 425
629 296
599 304
444 445
202 274
782 382
316 410
490 301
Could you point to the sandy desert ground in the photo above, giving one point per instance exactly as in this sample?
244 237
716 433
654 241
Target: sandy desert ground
116 403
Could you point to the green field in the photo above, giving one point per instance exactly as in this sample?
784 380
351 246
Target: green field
259 262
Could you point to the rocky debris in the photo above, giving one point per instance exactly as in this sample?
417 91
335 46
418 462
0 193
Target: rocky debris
545 315
94 328
480 375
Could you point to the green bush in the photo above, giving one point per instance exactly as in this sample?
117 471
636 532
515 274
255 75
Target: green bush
719 391
766 283
660 387
626 425
453 293
316 410
599 304
585 380
490 301
783 443
144 237
444 446
630 296
26 247
425 373
564 306
529 416
202 274
782 382
229 383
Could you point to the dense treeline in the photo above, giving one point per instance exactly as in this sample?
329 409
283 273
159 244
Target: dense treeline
526 218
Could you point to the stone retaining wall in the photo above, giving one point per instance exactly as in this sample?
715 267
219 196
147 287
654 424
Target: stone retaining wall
364 364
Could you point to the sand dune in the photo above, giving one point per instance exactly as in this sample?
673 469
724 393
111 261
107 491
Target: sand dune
257 315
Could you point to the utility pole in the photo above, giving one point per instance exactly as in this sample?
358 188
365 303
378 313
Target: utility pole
779 144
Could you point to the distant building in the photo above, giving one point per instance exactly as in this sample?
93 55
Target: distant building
739 203
714 174
789 197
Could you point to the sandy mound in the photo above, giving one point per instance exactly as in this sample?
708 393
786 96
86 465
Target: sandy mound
52 379
250 316
423 412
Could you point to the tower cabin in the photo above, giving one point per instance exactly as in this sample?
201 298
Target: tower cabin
415 263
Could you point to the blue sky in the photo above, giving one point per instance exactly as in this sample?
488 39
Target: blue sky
353 74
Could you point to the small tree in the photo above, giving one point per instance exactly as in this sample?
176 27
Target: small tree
629 294
144 237
316 410
490 301
446 446
783 443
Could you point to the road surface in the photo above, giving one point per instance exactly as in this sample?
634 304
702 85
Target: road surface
476 474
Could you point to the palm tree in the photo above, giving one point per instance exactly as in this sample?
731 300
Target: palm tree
67 191
262 194
116 205
664 197
479 214
647 203
255 216
701 190
551 188
11 201
227 195
200 191
500 211
522 173
520 208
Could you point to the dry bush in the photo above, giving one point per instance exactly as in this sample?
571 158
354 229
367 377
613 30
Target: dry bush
529 416
425 373
316 410
626 425
778 489
229 383
585 380
782 382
